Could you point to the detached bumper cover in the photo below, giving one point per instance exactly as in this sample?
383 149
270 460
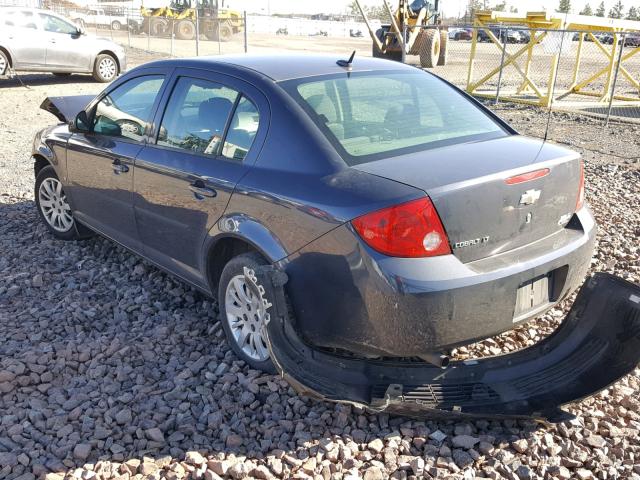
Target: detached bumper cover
597 344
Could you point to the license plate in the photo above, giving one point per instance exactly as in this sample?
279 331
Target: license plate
532 295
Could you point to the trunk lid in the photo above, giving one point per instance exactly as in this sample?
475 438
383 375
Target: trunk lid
482 214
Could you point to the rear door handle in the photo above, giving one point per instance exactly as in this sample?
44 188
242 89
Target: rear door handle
200 191
119 168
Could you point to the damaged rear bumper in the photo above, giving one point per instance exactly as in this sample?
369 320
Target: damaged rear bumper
597 344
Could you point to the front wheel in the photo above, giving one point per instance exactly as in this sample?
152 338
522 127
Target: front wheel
244 309
53 208
105 69
116 25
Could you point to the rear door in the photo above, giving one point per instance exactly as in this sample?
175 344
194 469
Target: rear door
100 163
26 39
65 46
207 138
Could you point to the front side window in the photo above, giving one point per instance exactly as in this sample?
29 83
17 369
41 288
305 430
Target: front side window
57 25
370 116
126 110
196 116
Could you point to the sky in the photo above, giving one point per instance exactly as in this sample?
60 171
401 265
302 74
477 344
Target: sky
450 7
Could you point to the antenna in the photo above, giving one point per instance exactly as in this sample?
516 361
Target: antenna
346 63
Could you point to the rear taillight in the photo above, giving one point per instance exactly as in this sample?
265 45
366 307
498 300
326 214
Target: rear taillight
411 229
580 202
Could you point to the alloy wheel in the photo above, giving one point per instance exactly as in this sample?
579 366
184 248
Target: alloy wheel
54 206
3 65
246 318
107 68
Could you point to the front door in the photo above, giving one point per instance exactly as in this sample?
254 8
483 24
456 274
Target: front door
64 44
100 163
184 181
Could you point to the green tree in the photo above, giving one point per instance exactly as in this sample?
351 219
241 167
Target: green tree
600 12
500 7
564 6
616 10
513 9
586 10
633 14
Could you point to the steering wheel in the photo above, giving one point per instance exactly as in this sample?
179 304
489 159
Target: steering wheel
130 126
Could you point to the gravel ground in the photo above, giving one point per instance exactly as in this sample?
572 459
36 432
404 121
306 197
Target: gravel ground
111 369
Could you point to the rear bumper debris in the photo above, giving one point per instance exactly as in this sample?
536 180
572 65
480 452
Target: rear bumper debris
597 344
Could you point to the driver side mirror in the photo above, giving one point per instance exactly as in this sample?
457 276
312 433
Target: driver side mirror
81 123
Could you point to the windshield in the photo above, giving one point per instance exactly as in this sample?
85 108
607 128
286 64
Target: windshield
373 115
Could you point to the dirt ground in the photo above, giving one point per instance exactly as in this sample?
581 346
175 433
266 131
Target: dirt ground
110 368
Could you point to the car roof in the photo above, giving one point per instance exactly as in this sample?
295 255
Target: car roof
289 66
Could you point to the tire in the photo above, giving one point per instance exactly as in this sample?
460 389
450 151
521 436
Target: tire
4 63
429 48
444 38
159 26
232 291
226 32
116 25
185 30
105 68
53 209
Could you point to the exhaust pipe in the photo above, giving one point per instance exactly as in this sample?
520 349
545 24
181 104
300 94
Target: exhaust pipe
438 359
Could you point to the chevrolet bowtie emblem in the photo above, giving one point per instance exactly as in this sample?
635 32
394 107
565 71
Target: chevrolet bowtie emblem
529 197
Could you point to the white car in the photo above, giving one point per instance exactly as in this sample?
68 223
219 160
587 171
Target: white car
42 41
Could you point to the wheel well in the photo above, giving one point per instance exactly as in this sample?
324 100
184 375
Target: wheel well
6 52
39 164
113 55
224 250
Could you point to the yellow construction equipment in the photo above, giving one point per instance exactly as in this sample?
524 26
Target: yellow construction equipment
214 22
415 28
544 92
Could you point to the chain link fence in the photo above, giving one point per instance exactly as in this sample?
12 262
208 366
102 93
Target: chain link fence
596 73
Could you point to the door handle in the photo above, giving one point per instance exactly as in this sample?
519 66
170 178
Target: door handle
119 168
200 191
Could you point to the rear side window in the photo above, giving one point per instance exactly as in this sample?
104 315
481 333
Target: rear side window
196 116
20 19
242 130
126 110
369 116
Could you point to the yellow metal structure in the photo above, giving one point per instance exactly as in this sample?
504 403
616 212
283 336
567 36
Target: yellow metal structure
542 25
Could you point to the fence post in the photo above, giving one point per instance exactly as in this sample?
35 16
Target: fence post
128 29
173 34
504 50
197 30
615 76
404 43
245 31
218 28
149 34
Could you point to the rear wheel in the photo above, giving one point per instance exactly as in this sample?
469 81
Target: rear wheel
444 37
243 315
429 48
105 69
116 25
226 32
4 63
185 30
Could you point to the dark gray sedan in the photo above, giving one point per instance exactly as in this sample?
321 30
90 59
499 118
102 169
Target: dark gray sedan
354 220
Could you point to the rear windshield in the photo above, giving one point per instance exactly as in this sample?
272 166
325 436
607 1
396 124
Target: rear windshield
372 115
